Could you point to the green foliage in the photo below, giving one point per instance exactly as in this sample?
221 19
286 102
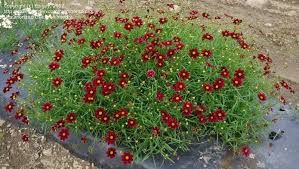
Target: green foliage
243 109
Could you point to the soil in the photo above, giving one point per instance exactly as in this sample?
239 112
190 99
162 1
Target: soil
273 23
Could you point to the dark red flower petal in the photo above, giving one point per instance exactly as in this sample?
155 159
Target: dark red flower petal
127 158
63 134
111 152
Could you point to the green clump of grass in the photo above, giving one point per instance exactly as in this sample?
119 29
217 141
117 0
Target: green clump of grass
155 121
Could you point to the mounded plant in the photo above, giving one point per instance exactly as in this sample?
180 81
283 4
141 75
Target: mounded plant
148 84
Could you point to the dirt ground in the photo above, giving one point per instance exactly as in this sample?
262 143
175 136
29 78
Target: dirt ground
273 23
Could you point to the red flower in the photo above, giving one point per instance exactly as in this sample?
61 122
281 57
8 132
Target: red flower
117 35
163 20
127 158
115 61
285 84
71 117
212 117
159 96
123 75
123 83
176 98
160 57
14 95
225 33
105 119
188 105
25 138
19 114
193 53
86 61
100 113
60 123
283 100
102 28
218 84
57 81
193 12
53 66
205 15
58 55
176 39
132 123
184 74
111 137
237 21
221 115
155 131
262 96
6 89
47 106
262 57
100 72
137 21
99 81
173 123
91 90
170 52
116 116
81 41
237 82
206 53
245 150
179 86
63 134
9 107
25 120
202 119
160 64
180 45
151 25
224 72
108 88
84 139
145 57
207 88
187 108
128 26
111 152
239 73
243 45
165 116
123 112
207 36
89 98
150 73
95 44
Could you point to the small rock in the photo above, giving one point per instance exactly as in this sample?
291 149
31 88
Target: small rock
88 7
256 3
268 24
291 13
47 163
260 164
175 8
47 152
1 122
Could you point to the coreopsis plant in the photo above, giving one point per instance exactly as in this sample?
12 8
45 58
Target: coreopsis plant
148 84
